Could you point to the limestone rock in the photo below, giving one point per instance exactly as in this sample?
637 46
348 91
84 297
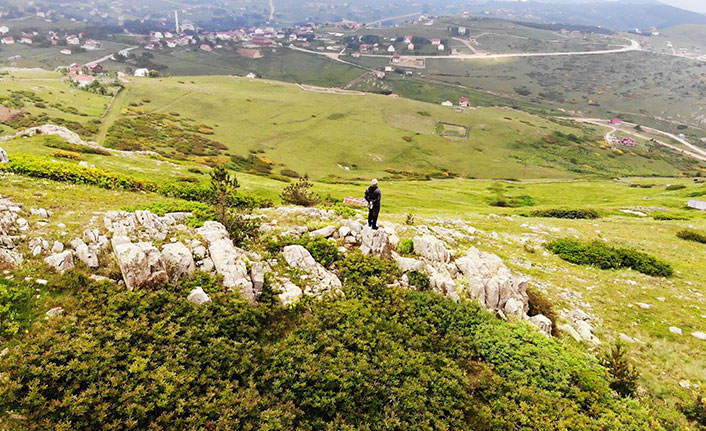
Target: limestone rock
432 248
3 156
257 275
325 232
407 264
57 247
675 330
10 257
322 281
227 259
699 335
141 264
568 329
291 293
543 323
39 212
443 284
61 261
84 253
55 312
377 242
178 261
199 297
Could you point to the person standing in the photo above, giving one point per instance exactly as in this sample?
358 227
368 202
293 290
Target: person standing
373 196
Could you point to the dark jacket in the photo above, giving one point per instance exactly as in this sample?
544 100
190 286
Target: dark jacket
373 195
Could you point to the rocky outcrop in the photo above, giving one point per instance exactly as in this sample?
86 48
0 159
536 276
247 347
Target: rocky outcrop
141 264
320 280
325 232
9 226
229 261
376 242
178 261
62 262
431 248
4 158
84 253
144 224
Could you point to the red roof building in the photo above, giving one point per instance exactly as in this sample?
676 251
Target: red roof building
464 102
616 121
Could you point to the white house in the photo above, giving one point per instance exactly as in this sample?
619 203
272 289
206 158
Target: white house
65 51
410 47
442 47
447 103
251 75
391 49
8 40
141 73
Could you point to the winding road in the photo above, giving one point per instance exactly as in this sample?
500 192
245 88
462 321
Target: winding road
693 151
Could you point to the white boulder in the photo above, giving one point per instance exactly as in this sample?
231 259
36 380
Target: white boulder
61 261
322 281
141 264
178 261
198 297
432 248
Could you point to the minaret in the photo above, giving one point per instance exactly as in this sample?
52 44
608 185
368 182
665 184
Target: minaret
176 19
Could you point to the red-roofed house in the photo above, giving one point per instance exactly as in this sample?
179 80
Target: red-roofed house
628 142
408 39
436 42
464 102
95 68
206 48
8 40
83 80
616 121
75 68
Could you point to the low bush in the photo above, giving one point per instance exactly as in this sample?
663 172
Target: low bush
666 216
540 304
53 142
623 373
672 187
148 360
604 256
343 210
290 173
513 201
419 280
564 213
692 235
406 247
241 226
37 167
696 410
367 275
16 301
299 193
67 155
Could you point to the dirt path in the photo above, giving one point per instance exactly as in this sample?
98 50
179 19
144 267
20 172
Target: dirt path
468 44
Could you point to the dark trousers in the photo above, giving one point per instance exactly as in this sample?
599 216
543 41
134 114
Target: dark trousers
373 216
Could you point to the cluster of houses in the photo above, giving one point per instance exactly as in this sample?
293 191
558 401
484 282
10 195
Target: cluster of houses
52 37
83 75
463 102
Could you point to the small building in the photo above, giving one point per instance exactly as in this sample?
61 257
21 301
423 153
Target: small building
396 57
83 80
358 202
205 47
389 69
408 39
410 47
697 205
251 75
8 40
72 39
441 47
464 102
142 73
75 68
65 52
26 40
448 103
95 68
616 121
391 49
436 42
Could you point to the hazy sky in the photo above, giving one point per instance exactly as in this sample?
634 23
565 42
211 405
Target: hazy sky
695 5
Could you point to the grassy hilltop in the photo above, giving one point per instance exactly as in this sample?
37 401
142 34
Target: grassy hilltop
268 132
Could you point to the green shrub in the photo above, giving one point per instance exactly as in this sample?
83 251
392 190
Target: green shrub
410 219
16 301
691 235
343 210
53 142
604 256
513 201
419 280
148 360
675 187
290 173
367 275
696 410
539 304
66 155
37 167
667 216
299 194
241 226
406 247
623 373
567 213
